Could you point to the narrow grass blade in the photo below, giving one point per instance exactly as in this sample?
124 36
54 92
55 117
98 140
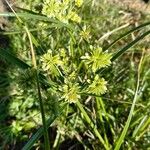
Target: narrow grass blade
126 34
12 59
36 17
127 124
100 111
39 132
5 55
90 122
41 105
141 124
106 35
26 10
144 129
125 48
31 30
30 16
134 42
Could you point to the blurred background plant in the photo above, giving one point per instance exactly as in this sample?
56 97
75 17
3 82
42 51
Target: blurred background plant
71 41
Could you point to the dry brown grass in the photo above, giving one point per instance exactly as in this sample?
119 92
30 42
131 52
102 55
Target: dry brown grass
137 5
4 8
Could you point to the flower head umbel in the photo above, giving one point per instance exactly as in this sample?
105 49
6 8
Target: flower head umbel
71 92
73 16
97 59
85 33
62 10
50 63
78 3
98 86
51 8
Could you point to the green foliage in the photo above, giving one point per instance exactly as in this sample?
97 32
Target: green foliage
61 65
62 10
85 94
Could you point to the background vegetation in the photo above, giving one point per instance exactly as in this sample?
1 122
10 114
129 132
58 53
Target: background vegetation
75 75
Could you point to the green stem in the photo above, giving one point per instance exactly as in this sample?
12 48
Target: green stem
57 139
106 115
89 121
126 127
46 137
98 103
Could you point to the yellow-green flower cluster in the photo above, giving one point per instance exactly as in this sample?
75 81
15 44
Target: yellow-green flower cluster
98 86
74 17
65 71
50 63
97 59
71 92
78 3
85 33
62 10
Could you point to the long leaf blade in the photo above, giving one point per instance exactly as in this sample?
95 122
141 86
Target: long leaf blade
36 17
39 132
12 59
134 42
126 34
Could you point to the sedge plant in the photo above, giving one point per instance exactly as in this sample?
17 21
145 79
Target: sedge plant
68 69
